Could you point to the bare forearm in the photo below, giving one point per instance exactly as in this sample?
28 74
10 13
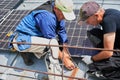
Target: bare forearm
102 55
108 41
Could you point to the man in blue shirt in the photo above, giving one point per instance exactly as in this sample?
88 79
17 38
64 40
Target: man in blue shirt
42 26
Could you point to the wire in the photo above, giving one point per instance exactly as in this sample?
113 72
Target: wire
42 72
68 46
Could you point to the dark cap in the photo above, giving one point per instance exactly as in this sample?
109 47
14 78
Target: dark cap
88 9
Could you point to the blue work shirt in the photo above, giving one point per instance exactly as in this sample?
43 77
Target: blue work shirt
41 23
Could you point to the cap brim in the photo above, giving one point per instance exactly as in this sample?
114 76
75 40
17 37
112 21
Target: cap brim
69 16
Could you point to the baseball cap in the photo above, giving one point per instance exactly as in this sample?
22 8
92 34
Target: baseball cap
66 6
88 9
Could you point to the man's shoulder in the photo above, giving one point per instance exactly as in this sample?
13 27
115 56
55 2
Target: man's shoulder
111 9
112 12
34 12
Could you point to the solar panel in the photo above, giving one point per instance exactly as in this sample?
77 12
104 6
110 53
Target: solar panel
9 24
77 36
9 4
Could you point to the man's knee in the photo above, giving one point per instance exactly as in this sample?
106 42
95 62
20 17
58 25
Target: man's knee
54 42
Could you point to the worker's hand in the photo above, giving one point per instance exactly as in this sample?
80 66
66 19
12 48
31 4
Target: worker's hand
87 59
68 63
66 58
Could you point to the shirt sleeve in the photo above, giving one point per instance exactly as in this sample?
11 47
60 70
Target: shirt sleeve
109 25
62 32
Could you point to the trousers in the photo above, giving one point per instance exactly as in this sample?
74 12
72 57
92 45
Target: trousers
40 50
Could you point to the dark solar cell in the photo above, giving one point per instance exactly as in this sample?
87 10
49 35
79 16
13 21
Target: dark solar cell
2 35
69 32
76 32
74 40
72 51
76 12
72 24
83 32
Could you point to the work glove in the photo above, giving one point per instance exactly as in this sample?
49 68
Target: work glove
87 59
